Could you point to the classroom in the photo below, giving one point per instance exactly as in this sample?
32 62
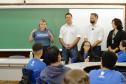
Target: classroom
40 37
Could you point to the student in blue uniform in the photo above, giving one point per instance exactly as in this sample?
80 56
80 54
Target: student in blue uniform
35 64
42 35
122 53
106 75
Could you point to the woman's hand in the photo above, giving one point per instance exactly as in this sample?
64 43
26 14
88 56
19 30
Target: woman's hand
87 59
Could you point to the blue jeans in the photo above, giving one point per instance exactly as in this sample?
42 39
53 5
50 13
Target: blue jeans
97 51
66 53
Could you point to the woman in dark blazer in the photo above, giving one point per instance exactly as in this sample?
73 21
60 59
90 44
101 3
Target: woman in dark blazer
115 36
85 54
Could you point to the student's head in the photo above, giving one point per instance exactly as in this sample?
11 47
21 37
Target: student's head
117 24
108 59
86 46
122 45
53 55
76 76
93 18
42 24
68 17
37 49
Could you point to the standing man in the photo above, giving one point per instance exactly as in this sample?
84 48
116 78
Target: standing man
69 37
95 34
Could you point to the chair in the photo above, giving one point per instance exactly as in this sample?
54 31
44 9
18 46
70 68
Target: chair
29 76
26 78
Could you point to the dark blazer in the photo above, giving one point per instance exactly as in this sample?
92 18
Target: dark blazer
121 35
92 57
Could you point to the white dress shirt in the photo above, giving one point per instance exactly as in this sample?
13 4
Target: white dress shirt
94 33
69 33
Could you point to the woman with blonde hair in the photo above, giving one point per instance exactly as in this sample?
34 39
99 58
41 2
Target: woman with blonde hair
76 76
42 35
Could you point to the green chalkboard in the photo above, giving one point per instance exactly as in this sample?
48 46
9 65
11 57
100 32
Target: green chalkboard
17 23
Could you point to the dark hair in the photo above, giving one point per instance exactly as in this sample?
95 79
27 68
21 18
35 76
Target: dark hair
53 53
109 59
37 47
82 49
118 23
68 14
123 43
95 14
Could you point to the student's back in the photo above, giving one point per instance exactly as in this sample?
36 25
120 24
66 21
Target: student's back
106 77
35 64
54 73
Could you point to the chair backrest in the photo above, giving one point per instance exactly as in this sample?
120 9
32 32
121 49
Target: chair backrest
27 77
30 75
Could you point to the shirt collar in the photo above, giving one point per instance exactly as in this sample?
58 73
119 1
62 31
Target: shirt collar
68 25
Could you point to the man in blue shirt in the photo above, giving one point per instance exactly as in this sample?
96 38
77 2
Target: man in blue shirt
106 75
35 64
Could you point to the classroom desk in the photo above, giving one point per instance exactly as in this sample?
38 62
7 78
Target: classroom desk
83 65
11 69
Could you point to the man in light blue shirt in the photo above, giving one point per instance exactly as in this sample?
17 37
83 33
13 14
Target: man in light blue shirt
35 64
106 75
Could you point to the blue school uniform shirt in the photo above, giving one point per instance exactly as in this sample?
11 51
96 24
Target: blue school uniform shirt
121 56
106 77
36 65
41 37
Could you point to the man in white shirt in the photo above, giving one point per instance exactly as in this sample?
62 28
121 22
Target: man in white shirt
94 34
69 37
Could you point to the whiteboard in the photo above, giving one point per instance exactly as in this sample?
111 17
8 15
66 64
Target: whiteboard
81 18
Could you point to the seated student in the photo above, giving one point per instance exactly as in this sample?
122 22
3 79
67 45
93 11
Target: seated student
106 75
54 73
122 53
76 76
35 64
85 53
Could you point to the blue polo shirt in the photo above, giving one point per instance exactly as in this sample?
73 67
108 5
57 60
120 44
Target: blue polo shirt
121 56
41 37
106 77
